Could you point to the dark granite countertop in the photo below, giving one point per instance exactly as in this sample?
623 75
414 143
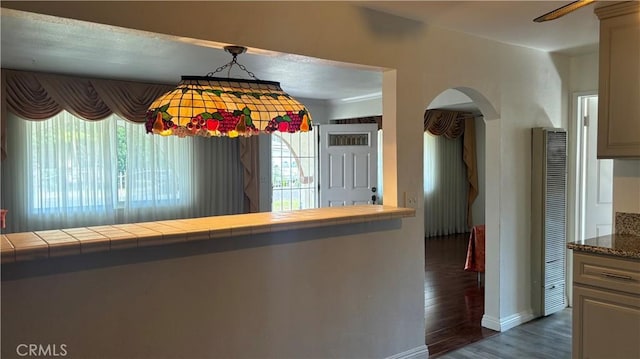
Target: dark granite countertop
619 245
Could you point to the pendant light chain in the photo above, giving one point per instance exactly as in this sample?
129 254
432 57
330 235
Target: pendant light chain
229 65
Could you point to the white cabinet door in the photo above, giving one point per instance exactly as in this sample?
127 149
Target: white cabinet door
619 80
606 324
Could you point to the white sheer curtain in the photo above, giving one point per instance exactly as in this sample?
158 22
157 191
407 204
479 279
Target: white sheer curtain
158 181
58 171
445 186
66 172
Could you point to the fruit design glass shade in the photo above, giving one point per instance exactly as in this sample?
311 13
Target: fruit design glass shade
212 106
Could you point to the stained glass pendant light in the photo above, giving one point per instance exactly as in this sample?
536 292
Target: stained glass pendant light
217 106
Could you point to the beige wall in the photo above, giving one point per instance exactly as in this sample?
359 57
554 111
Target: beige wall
356 108
319 108
584 72
626 186
516 88
302 294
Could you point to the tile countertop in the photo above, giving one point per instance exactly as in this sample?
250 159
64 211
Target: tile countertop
17 247
619 245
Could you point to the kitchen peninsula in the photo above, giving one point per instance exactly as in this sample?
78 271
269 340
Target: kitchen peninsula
73 241
320 281
606 294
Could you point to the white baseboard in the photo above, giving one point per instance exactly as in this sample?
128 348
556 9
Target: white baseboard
421 352
490 322
506 323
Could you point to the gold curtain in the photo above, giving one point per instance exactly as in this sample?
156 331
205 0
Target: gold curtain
469 158
3 117
250 158
453 124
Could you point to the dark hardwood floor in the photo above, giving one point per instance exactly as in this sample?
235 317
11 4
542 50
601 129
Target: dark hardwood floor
454 305
453 301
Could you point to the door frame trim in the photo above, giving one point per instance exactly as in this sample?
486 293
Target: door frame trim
575 200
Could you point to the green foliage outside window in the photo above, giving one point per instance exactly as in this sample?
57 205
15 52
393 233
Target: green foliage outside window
122 149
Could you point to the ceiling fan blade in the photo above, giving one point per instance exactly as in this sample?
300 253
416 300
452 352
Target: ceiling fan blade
561 11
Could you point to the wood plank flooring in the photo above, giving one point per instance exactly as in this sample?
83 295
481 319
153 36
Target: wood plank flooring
454 305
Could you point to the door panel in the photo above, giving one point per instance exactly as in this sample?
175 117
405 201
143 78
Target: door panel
361 170
338 203
337 163
348 164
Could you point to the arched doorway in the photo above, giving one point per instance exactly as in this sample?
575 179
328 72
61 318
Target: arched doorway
485 208
492 317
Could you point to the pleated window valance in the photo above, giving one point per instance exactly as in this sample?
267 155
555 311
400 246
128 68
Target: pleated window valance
450 124
39 96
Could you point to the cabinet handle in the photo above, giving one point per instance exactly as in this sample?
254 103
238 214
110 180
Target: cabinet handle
618 276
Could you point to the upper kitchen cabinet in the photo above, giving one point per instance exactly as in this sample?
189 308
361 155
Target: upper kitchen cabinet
619 88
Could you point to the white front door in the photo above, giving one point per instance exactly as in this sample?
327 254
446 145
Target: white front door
348 164
597 190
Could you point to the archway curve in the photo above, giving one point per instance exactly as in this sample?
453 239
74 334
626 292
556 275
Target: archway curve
491 318
486 108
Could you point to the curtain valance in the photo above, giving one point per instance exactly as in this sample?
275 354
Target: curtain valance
38 96
446 123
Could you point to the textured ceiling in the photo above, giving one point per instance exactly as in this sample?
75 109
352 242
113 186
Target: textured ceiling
510 22
41 43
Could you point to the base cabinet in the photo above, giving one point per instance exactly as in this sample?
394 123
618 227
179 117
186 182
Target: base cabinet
606 308
605 324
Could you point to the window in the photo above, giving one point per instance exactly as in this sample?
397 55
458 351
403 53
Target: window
293 167
66 172
156 170
69 163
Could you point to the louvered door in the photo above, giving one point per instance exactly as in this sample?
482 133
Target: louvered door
549 218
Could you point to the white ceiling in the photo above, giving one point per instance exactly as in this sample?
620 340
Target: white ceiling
510 22
41 43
